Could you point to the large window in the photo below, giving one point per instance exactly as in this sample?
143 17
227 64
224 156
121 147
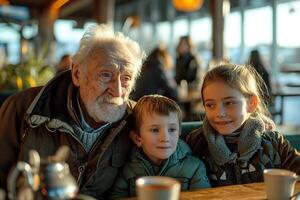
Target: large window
147 33
258 26
258 32
181 28
163 32
288 33
232 37
10 40
67 37
201 31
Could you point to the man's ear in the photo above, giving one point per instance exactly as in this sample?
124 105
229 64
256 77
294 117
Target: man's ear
136 138
75 74
252 103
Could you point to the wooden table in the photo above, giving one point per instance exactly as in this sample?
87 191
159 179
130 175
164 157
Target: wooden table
253 191
242 192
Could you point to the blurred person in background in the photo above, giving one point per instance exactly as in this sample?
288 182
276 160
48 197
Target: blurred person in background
187 64
64 64
155 77
255 60
85 108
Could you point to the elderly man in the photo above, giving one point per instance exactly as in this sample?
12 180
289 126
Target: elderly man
86 109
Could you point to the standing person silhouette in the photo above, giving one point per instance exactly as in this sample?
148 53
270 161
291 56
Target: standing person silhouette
188 73
256 61
153 78
187 65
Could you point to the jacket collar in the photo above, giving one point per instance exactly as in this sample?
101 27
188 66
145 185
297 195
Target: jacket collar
182 150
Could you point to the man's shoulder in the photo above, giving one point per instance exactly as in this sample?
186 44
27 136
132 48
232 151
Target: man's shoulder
24 97
29 93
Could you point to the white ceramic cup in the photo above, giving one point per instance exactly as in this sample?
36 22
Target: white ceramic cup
279 183
157 188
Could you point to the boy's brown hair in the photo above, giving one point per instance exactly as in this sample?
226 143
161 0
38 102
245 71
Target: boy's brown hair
157 104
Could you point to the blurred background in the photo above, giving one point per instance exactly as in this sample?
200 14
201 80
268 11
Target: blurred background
36 34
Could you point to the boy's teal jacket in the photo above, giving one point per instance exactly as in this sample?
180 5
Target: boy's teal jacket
189 170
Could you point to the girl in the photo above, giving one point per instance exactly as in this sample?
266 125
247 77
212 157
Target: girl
238 139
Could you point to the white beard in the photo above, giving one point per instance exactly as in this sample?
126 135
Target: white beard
107 109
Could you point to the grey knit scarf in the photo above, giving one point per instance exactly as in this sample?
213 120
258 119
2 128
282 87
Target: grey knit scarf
249 141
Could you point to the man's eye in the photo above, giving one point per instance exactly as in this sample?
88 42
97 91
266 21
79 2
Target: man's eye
105 76
126 79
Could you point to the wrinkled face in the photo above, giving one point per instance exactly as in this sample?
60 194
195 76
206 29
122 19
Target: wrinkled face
158 136
105 81
226 108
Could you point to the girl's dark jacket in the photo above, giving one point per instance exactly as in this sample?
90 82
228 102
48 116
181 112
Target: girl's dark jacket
257 150
40 118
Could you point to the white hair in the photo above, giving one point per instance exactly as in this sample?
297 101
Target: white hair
100 34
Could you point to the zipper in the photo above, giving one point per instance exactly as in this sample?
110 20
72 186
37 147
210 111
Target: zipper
238 173
82 167
25 133
81 170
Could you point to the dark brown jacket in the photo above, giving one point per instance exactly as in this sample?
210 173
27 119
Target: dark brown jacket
39 118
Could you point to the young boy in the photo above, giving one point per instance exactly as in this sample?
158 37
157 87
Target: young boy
158 150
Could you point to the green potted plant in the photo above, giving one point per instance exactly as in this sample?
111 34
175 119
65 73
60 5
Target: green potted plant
29 73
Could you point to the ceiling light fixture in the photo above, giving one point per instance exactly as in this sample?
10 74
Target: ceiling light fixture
4 2
187 5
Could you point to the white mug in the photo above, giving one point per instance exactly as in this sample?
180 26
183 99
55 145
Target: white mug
157 188
280 183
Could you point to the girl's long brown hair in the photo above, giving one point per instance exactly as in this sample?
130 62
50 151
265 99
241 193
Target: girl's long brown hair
245 79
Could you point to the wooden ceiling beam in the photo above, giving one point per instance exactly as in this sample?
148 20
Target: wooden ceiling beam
73 7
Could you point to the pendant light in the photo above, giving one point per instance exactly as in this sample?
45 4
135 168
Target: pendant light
187 5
